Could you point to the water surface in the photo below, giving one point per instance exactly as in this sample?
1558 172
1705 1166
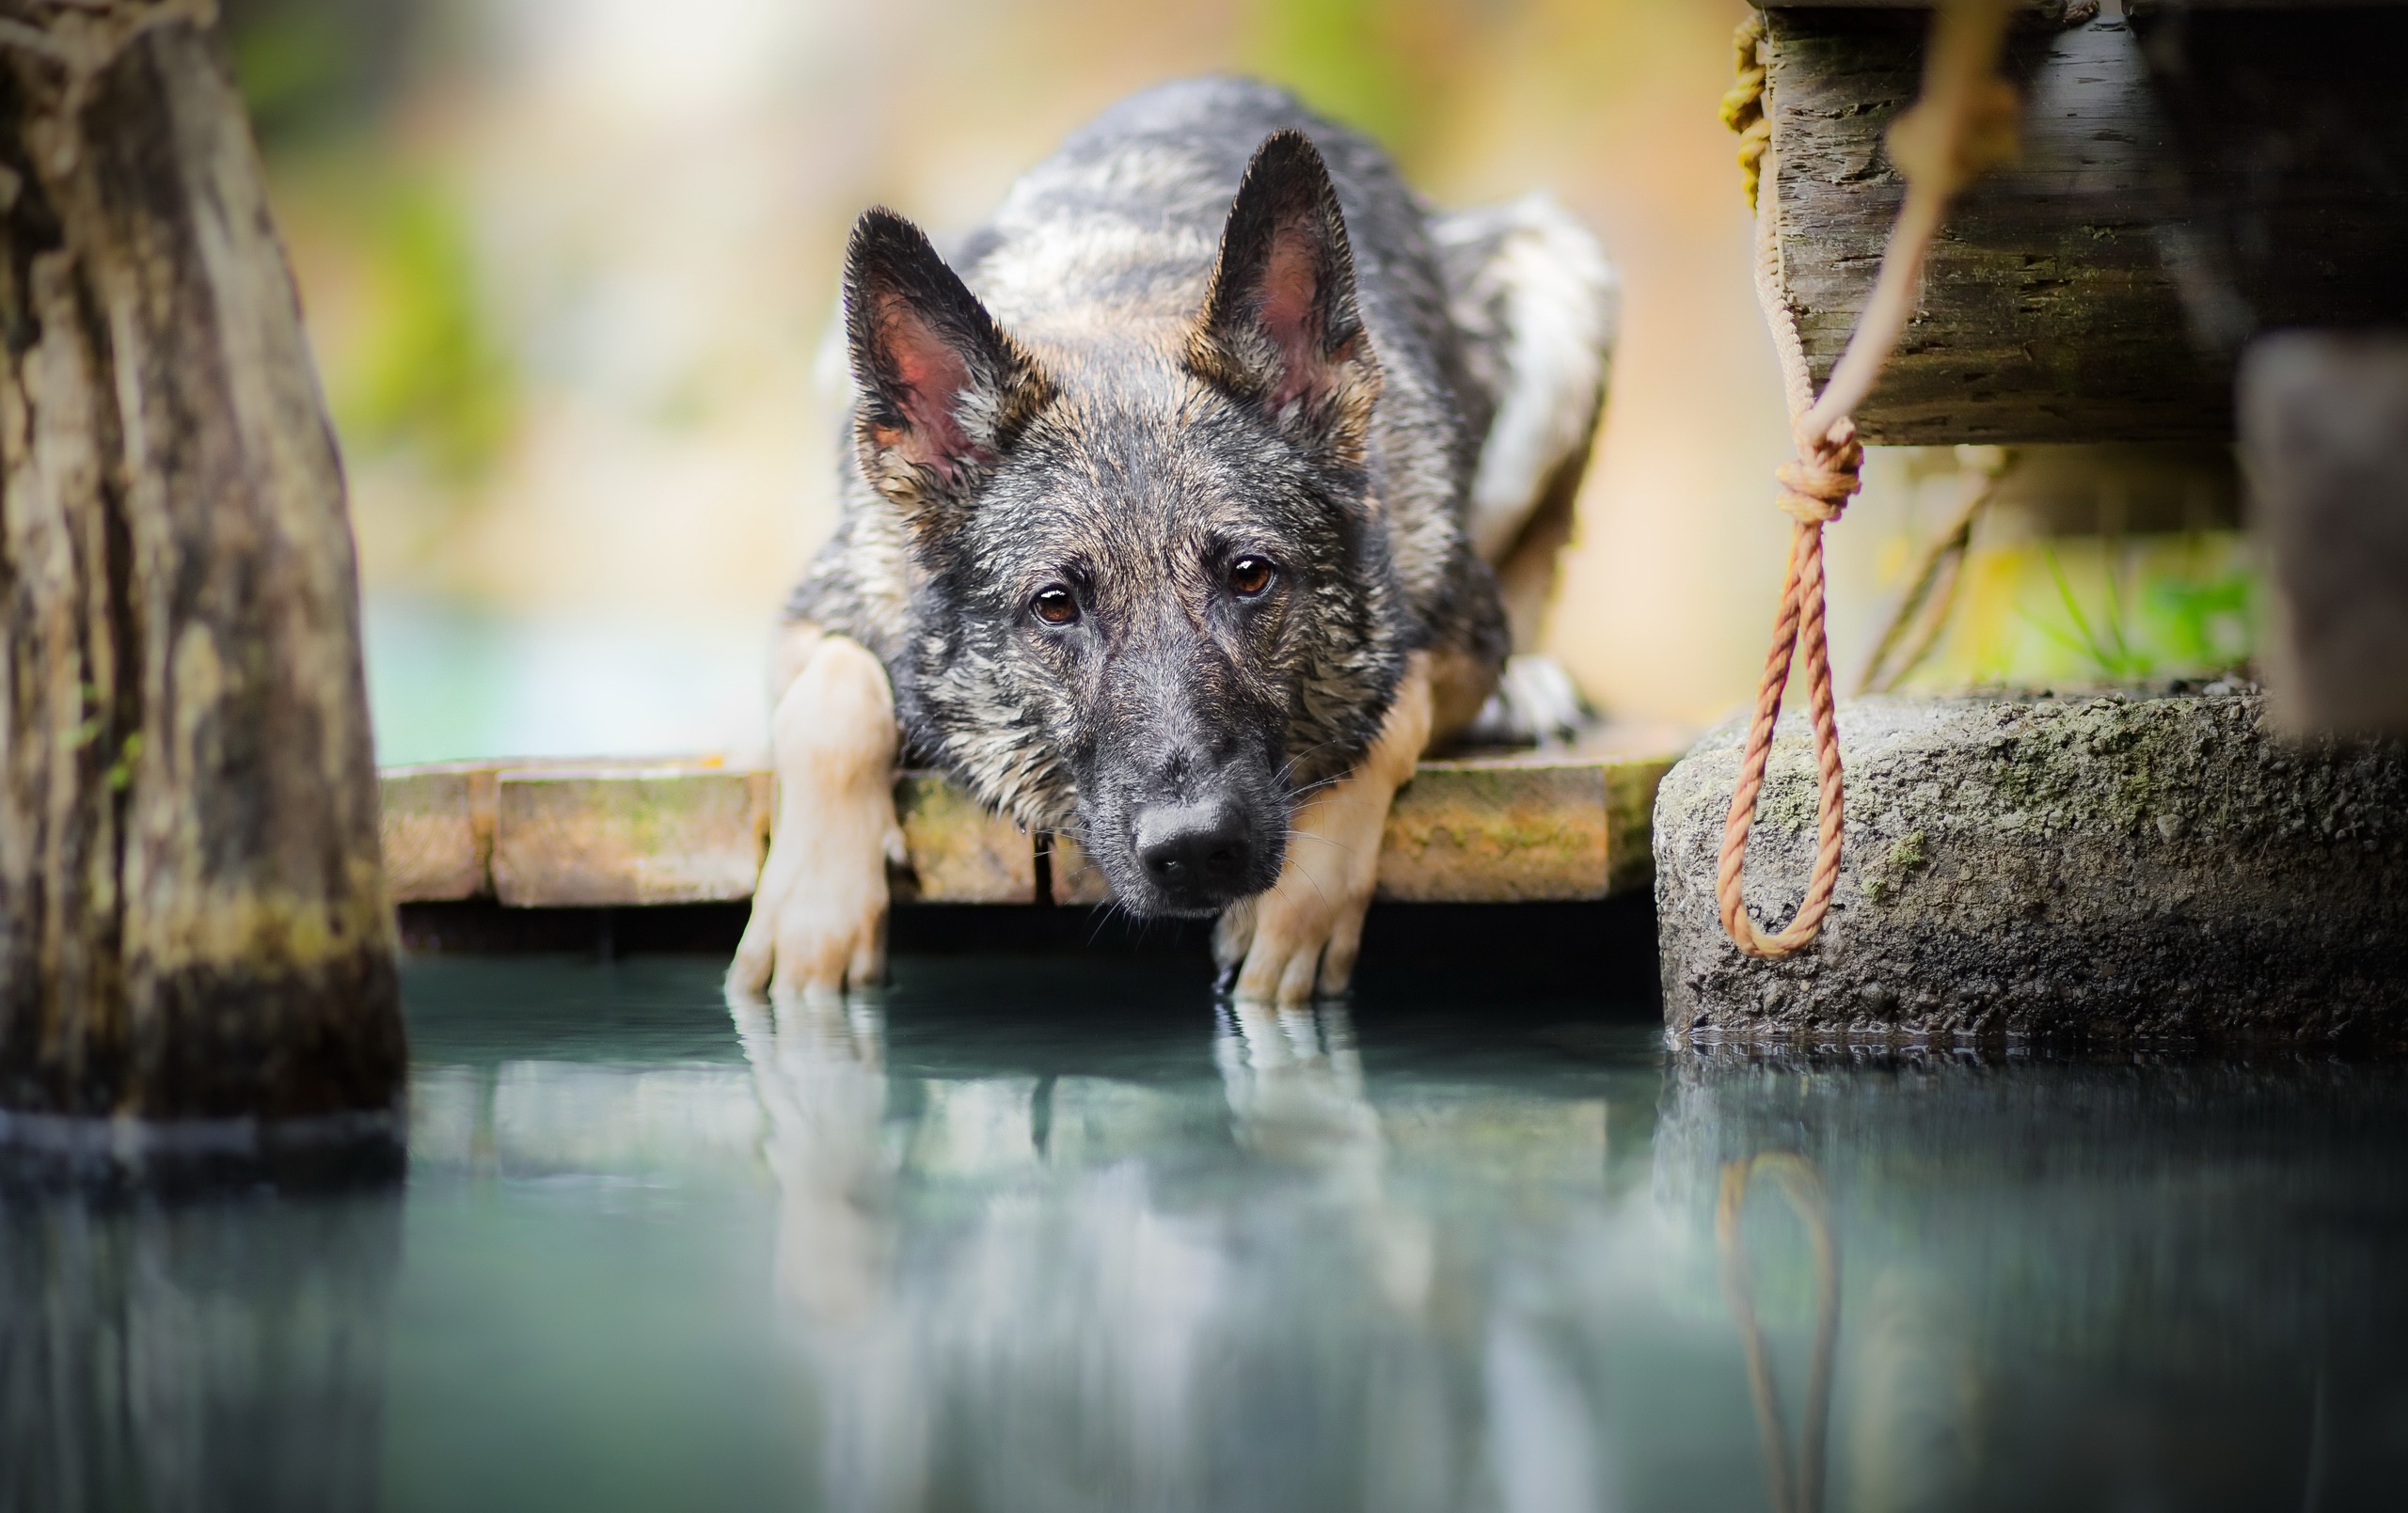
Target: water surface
1060 1233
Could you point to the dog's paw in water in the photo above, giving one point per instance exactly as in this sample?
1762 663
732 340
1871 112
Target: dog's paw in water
818 924
1299 940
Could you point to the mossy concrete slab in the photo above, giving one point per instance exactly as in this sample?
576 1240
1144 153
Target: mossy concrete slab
2125 867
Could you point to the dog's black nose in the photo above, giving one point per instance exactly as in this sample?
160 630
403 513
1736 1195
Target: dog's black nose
1197 851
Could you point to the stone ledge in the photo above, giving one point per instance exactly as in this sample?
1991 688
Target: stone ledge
2133 868
1530 827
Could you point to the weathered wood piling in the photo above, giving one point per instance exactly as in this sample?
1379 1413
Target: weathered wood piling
194 920
2191 174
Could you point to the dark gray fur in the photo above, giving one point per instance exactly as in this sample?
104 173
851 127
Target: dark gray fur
1098 451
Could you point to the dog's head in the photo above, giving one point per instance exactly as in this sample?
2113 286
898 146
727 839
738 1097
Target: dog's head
1149 602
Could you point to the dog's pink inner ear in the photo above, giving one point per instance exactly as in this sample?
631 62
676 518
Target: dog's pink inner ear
929 375
1290 315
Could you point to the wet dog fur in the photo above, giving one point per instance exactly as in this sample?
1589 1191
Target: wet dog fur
1168 481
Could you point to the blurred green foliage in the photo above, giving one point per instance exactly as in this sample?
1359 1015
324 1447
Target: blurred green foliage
1377 65
424 374
309 69
2123 609
418 371
2211 622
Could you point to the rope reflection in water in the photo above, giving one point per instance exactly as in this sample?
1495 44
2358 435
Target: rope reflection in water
1795 1488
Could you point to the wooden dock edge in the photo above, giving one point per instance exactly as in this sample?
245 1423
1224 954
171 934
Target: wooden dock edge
1524 827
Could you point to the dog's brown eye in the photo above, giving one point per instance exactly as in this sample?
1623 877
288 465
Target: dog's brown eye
1249 576
1054 605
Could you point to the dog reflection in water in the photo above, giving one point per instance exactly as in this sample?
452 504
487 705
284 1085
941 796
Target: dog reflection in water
1294 1082
1073 1292
819 1070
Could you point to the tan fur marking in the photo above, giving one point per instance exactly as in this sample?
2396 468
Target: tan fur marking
1460 684
1302 937
819 924
790 651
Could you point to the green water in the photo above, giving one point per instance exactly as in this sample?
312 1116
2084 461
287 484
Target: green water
1058 1233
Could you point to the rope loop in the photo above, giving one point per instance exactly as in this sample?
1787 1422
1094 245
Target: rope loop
1963 124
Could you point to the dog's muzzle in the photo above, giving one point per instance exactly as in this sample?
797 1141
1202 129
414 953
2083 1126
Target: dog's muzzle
1197 856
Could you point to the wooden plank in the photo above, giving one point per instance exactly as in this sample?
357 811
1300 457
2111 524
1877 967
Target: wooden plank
1497 833
2060 10
1630 821
648 835
959 853
1532 827
1075 879
436 828
1490 829
2186 180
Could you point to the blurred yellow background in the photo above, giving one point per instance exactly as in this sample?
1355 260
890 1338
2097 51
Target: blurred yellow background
568 265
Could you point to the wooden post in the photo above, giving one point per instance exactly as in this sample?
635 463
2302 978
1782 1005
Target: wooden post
193 917
2324 427
2190 177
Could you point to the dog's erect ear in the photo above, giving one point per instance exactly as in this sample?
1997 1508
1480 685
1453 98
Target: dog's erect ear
944 392
1281 329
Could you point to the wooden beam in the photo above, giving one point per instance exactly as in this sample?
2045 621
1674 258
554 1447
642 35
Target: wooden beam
1522 828
193 923
2187 179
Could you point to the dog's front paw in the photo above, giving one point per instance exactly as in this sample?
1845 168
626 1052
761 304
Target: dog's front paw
1300 939
819 924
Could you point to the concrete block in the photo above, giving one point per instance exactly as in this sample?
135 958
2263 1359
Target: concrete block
2123 867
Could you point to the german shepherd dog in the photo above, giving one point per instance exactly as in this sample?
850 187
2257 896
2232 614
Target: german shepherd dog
1174 522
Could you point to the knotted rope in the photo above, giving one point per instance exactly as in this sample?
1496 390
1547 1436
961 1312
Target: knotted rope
1963 124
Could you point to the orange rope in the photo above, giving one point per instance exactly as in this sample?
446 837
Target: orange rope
1964 122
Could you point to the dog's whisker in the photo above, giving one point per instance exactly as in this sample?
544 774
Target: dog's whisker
1307 835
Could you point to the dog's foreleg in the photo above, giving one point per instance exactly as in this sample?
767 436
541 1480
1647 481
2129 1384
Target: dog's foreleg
818 922
1301 938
